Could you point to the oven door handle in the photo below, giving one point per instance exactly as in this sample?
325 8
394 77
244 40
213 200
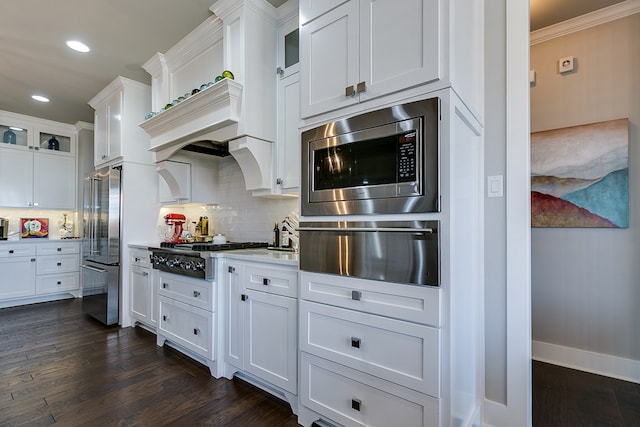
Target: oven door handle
365 229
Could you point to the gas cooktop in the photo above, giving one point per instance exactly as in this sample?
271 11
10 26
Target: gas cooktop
211 247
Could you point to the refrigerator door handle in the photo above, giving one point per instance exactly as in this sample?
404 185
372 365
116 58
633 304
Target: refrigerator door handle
93 230
97 270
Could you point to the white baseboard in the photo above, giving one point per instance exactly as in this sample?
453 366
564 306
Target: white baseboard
588 361
495 414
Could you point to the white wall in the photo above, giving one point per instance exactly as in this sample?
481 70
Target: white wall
586 282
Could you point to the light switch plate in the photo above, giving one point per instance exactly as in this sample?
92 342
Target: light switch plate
495 186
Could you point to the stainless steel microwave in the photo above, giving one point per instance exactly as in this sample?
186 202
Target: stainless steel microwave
381 162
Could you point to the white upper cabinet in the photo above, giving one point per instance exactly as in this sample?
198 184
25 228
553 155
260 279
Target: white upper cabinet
120 107
38 158
364 49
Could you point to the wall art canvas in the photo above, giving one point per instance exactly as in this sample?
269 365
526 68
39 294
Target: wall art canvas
579 176
34 228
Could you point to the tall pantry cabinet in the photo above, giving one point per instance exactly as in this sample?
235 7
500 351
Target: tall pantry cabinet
358 56
119 108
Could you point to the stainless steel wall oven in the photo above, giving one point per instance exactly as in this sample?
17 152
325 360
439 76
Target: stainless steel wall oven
380 162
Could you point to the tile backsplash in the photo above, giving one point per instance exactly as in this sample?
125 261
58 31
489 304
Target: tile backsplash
56 221
237 214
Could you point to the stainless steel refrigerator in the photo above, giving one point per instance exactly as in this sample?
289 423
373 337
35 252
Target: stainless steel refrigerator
100 266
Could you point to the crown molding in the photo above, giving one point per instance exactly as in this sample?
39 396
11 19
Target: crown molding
602 16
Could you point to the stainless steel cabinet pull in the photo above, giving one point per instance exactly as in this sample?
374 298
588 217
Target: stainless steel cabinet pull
196 331
361 87
196 294
355 342
355 404
356 295
349 91
244 297
231 269
165 317
265 281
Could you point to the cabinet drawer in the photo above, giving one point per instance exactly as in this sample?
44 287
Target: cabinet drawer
7 251
139 257
189 326
405 353
61 248
51 264
276 281
199 293
419 304
352 398
57 283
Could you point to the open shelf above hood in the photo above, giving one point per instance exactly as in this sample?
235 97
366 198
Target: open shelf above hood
212 114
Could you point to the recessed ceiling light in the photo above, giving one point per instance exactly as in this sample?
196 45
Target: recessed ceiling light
78 46
40 98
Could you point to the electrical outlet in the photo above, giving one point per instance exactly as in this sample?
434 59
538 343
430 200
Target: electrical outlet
565 64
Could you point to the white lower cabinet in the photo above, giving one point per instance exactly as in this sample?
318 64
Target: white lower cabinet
36 272
370 352
261 324
187 316
143 295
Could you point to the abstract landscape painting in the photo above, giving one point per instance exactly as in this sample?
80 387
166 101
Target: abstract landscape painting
579 176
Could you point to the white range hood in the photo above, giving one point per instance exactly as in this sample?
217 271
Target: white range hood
239 114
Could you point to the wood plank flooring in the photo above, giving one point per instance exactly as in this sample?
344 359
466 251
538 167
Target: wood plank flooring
564 397
58 366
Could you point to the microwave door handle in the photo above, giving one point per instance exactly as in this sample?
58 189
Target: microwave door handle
392 229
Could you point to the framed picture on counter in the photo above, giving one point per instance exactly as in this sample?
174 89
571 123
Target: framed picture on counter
34 228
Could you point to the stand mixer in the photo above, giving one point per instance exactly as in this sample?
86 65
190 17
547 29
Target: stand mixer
174 222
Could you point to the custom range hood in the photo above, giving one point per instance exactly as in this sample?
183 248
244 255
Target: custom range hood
239 115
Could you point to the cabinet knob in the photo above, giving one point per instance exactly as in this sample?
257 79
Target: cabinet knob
59 249
59 282
33 260
356 404
244 297
59 264
165 317
356 295
279 71
136 259
165 285
355 342
361 87
145 274
196 294
231 269
266 281
10 251
349 91
196 331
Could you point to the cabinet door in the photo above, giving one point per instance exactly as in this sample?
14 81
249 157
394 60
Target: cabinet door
18 277
54 180
235 317
271 339
100 143
399 45
329 60
288 133
114 124
16 175
141 294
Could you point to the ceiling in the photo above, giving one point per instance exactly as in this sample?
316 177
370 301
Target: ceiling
123 35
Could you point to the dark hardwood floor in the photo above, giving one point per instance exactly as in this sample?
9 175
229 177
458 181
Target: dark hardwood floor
58 366
564 397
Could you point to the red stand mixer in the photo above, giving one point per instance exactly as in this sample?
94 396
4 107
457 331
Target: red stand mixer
175 221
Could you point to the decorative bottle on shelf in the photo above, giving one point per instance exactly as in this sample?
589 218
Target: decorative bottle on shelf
276 235
54 144
9 137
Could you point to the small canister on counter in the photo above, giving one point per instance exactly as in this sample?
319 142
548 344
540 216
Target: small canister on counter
204 225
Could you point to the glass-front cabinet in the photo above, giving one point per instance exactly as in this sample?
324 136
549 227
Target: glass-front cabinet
38 158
